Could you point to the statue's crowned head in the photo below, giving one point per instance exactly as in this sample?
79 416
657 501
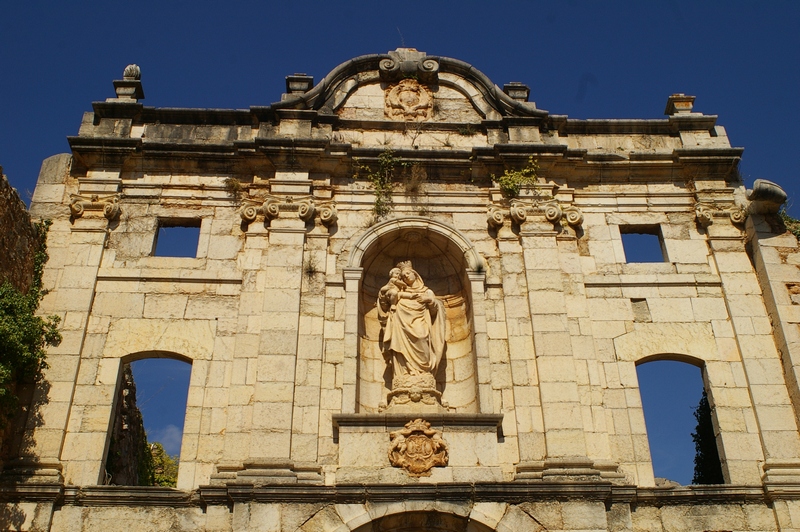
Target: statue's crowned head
405 265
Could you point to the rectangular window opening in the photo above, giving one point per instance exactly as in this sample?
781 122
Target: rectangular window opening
642 243
177 237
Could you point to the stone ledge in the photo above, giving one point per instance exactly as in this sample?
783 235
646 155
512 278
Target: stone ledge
128 496
656 280
131 275
24 491
441 421
703 494
507 492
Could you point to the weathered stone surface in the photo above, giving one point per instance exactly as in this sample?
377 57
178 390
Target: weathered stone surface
18 238
289 415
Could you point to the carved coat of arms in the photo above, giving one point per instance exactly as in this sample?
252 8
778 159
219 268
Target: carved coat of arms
418 448
409 100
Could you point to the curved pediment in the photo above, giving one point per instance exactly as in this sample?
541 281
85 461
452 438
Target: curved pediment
407 85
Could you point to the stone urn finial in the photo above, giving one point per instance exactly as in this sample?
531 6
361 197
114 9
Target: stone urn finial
132 72
129 88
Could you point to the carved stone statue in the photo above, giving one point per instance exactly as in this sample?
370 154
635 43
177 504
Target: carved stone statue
413 336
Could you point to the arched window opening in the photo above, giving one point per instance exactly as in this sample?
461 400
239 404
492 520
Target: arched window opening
679 423
147 430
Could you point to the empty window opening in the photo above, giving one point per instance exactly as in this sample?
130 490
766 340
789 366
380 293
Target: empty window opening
642 243
679 423
177 238
145 440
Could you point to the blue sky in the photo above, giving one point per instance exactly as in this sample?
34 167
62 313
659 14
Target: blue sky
582 59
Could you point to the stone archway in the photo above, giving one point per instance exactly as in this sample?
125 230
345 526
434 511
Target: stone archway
423 521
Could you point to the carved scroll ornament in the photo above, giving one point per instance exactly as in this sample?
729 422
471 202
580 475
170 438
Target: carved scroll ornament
109 205
418 448
272 207
426 69
519 212
706 212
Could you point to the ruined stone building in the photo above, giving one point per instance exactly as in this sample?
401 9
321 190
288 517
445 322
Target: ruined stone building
384 338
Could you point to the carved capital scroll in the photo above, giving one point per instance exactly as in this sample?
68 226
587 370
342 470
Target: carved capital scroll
520 212
109 205
705 213
271 207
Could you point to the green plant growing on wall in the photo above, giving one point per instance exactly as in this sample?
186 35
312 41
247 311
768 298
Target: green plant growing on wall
792 224
512 181
234 188
24 335
381 179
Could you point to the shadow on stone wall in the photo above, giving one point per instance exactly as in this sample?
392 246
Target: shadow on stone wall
17 238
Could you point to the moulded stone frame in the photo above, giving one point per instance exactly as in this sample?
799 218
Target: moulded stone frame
134 357
662 345
353 275
174 340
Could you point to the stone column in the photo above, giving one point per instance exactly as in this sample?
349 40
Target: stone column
277 352
775 257
560 400
761 361
515 380
308 372
66 423
477 282
352 285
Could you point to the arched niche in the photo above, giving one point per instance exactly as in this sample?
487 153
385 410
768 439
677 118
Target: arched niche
443 257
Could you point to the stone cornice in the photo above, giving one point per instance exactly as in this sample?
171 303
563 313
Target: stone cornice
443 420
507 492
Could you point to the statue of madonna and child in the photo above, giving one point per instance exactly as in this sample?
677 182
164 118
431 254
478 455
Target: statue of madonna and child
412 339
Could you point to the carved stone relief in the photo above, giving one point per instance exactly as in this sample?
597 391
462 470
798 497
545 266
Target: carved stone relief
706 212
519 211
418 448
109 205
409 100
272 207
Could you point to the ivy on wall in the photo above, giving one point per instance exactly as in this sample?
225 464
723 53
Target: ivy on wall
24 335
381 179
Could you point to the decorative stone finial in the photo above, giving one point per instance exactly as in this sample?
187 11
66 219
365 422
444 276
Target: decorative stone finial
132 72
299 83
129 88
679 103
517 91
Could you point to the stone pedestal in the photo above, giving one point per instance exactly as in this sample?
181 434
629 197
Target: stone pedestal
365 443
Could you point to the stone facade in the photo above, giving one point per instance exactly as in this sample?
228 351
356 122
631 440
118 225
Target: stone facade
17 238
538 424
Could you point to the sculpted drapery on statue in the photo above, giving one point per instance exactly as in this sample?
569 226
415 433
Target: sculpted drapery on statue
413 336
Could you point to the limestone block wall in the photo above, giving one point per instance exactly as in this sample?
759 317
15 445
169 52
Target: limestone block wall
17 238
547 317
